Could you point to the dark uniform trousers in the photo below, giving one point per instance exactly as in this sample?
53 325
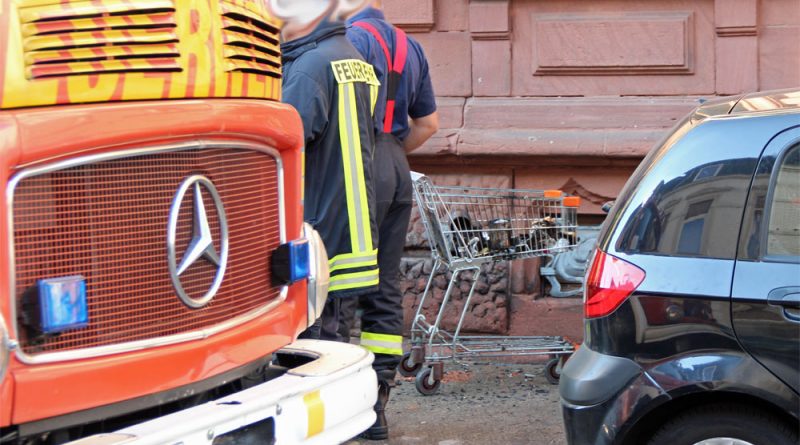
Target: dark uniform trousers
382 317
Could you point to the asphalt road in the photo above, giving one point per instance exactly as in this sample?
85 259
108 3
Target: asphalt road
479 405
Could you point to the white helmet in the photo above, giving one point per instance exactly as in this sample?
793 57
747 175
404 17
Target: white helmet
300 12
303 12
346 8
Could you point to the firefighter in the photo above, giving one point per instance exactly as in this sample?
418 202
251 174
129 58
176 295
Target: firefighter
334 91
405 117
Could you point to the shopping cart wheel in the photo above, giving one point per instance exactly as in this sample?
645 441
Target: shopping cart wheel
406 369
426 384
552 372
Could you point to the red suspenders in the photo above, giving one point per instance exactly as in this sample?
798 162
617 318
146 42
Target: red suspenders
395 68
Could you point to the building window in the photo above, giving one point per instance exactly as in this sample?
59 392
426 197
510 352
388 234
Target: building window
691 239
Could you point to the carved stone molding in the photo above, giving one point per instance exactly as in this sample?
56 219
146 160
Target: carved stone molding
620 44
485 36
736 18
489 20
736 31
736 45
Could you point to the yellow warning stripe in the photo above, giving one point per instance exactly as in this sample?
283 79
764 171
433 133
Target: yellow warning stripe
382 343
316 413
373 97
344 140
355 183
362 197
353 260
354 280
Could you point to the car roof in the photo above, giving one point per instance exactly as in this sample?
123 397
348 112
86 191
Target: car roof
768 101
749 103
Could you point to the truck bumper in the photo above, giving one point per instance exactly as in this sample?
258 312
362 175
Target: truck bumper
327 400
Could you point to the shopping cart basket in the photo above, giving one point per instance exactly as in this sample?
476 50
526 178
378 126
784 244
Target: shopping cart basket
468 227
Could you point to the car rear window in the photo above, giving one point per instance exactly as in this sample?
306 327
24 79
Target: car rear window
783 236
687 197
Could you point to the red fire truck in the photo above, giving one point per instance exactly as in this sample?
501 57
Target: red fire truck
154 267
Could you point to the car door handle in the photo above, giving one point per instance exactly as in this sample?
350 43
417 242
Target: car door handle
788 297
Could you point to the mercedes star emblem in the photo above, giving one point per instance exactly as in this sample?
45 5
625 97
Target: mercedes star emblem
201 247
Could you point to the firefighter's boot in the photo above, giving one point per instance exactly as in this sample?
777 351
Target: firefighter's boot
380 429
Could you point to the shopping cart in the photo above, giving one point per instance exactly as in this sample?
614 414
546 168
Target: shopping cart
468 227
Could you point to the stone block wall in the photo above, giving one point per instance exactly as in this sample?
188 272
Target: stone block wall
488 307
556 94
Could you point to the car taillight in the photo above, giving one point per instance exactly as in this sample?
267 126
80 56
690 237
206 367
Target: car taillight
610 281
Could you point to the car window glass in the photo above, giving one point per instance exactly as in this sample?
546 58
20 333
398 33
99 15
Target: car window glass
680 129
783 233
694 214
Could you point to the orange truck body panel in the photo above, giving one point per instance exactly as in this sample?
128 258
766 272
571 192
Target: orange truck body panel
188 78
43 391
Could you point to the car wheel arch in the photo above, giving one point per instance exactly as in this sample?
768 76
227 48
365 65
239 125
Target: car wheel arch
639 430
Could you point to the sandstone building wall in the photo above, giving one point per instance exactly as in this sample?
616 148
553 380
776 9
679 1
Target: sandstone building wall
571 95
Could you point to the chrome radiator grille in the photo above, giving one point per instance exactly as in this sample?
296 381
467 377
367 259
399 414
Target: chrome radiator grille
107 221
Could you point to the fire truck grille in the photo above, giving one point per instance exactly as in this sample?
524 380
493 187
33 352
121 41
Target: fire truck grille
107 221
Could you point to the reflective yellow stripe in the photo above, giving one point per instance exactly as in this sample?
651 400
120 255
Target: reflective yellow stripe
316 413
344 140
373 97
362 196
389 338
374 88
355 184
381 350
345 135
354 280
382 343
362 190
353 260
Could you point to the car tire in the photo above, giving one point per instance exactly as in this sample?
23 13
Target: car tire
703 425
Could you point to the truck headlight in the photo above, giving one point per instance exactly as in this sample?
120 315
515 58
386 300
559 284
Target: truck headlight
5 349
319 274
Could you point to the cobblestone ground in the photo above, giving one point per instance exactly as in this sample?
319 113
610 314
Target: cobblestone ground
477 405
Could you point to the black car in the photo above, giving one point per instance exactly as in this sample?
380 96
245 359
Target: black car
692 300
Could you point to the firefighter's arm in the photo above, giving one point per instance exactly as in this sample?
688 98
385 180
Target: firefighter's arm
422 128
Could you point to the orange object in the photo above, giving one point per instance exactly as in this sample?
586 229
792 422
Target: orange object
134 275
553 193
141 94
572 201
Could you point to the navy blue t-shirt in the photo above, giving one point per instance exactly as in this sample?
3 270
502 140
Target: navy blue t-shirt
415 96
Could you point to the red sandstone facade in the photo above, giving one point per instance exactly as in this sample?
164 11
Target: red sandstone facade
572 94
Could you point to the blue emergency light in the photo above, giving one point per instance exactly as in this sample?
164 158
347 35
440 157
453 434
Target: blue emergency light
63 304
291 262
299 260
